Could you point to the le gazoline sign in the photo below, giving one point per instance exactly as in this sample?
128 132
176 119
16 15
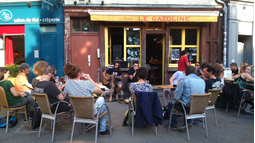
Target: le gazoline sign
154 16
48 4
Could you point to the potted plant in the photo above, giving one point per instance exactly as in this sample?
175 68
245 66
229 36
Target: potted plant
13 70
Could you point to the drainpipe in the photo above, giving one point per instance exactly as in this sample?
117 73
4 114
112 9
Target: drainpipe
224 9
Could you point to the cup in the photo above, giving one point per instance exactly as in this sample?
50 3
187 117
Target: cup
62 79
56 78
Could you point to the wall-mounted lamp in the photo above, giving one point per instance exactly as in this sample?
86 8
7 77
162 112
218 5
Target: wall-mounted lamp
88 2
75 2
102 3
29 4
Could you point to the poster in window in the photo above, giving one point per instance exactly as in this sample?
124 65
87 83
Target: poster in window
133 54
175 54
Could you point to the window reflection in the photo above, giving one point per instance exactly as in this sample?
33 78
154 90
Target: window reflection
133 36
192 54
190 36
176 36
76 25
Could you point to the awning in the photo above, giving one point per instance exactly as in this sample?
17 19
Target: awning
153 16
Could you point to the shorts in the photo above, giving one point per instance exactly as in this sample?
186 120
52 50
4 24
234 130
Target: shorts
118 83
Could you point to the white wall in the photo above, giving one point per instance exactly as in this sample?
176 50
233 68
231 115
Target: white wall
173 2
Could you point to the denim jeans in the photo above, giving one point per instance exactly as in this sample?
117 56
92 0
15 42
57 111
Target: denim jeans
102 120
179 108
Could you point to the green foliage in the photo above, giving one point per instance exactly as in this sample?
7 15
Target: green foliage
13 69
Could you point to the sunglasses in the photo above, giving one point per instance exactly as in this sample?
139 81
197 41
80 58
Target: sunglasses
197 65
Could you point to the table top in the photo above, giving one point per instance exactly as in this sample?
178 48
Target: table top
228 79
165 86
108 91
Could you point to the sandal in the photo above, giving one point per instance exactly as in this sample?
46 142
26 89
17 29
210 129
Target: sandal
67 116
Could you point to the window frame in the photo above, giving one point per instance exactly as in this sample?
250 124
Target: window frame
125 46
183 46
86 18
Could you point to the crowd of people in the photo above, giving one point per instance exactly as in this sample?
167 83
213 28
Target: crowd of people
187 80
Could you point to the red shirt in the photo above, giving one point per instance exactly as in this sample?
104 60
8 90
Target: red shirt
182 63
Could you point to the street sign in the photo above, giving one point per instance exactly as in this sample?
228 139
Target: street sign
48 4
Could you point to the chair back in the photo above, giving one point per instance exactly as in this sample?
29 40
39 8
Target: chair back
83 106
43 102
135 100
3 99
198 103
213 97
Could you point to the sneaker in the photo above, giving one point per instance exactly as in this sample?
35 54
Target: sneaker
105 133
183 128
25 121
172 127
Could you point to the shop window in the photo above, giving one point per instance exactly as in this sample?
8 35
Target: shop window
48 28
183 39
84 25
122 44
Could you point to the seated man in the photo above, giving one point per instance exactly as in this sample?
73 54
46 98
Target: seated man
132 73
167 93
21 82
117 79
77 87
233 67
212 81
191 84
54 95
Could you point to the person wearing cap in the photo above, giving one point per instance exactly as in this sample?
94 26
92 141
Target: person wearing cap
21 82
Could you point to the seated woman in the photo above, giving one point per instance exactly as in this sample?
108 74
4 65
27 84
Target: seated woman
14 98
77 87
140 85
242 81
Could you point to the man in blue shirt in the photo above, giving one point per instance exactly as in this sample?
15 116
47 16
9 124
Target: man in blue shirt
191 84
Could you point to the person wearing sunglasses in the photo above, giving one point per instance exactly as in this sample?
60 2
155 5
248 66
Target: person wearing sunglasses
198 68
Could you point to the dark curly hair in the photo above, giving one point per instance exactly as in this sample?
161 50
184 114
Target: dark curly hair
71 70
142 73
3 70
39 67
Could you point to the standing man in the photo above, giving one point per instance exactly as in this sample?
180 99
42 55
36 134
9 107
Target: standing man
132 73
21 82
191 84
117 79
183 61
212 82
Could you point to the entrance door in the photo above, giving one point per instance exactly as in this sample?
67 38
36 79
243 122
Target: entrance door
84 53
49 48
155 58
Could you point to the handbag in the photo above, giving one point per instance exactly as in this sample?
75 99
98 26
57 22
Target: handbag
36 118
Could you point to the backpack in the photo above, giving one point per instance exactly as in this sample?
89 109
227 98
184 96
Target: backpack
125 122
12 121
36 118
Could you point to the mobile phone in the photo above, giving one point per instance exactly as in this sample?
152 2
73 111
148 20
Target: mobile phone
174 85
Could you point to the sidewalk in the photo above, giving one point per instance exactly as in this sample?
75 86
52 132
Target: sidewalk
230 129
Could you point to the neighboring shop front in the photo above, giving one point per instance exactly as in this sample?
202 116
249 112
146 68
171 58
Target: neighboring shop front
30 33
241 32
153 37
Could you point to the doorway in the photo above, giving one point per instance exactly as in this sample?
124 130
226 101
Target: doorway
154 57
14 49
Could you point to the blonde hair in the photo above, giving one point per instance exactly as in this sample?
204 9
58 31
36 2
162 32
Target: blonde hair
241 67
39 67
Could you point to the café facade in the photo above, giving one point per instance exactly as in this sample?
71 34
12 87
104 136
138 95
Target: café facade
30 33
96 36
